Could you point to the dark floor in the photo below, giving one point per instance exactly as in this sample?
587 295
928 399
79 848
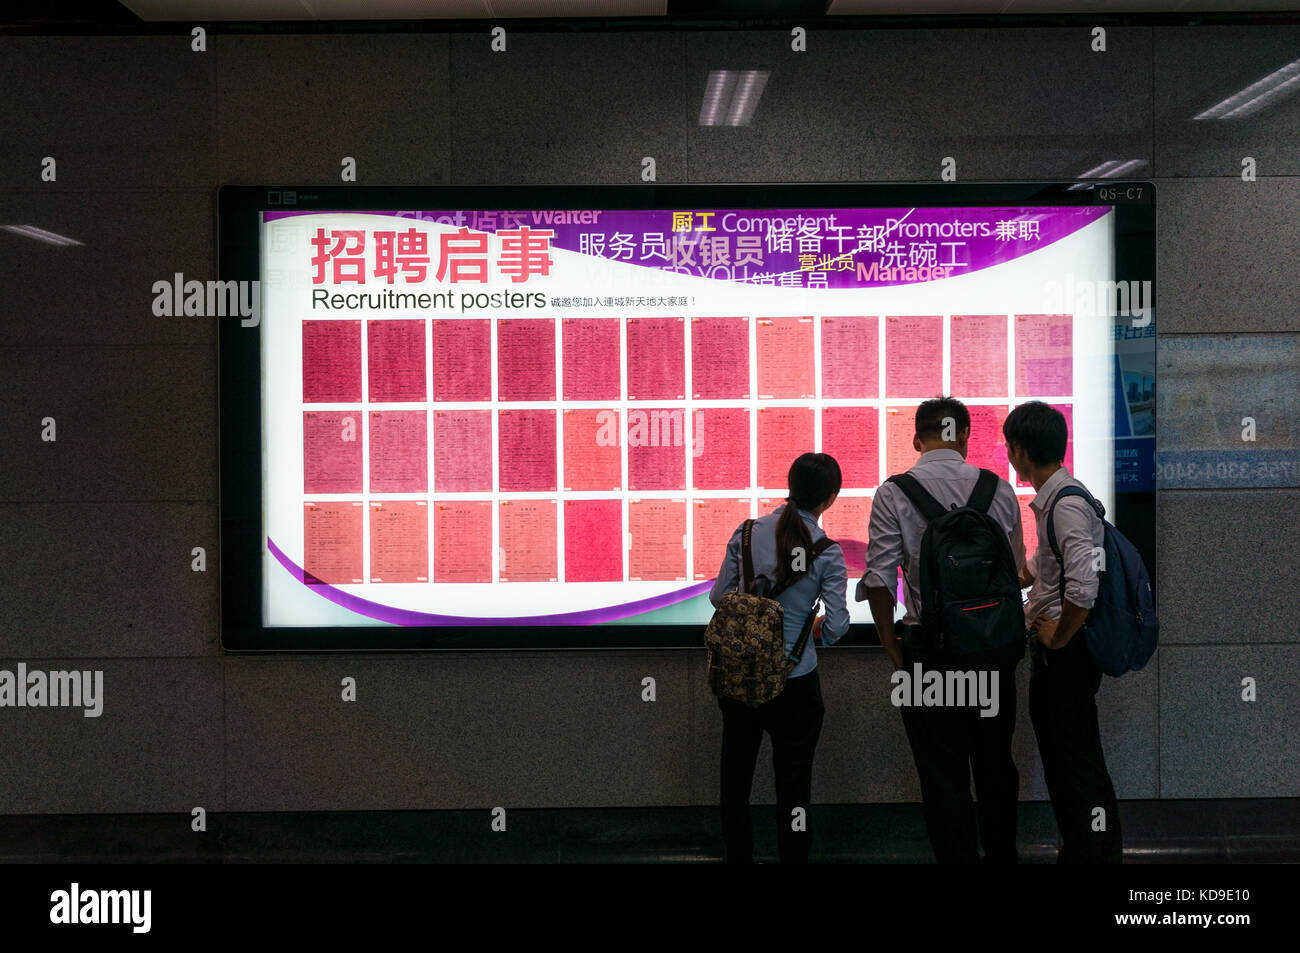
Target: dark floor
1232 831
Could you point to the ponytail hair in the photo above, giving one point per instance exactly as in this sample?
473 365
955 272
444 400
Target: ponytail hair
813 479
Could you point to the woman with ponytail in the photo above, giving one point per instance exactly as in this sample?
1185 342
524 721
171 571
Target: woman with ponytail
782 545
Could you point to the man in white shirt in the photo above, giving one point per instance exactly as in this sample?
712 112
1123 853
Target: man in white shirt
1064 678
948 743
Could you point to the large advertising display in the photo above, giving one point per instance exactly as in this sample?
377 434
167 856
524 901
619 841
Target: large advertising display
541 417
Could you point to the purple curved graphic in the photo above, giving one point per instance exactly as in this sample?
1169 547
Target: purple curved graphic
855 555
396 616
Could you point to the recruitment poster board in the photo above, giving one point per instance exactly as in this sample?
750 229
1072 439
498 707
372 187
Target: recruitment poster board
552 418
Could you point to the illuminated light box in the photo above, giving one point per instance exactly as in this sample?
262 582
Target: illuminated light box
533 417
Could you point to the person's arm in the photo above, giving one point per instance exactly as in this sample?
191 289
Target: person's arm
1027 574
1017 536
884 554
729 573
1015 527
1056 633
1073 523
881 601
832 626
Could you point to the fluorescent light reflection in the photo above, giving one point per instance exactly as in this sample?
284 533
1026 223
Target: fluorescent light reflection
731 96
40 234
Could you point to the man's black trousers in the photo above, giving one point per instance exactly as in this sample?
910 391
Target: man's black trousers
1063 707
949 744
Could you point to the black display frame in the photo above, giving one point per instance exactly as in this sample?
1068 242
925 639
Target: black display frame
239 376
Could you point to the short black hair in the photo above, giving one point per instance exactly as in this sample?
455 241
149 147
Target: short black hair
1040 430
930 416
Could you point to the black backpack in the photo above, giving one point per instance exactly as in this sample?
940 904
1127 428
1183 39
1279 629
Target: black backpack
971 612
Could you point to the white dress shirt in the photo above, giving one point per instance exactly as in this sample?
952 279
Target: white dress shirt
1078 530
896 528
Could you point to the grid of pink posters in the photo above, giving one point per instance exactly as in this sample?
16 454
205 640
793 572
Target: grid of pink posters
570 449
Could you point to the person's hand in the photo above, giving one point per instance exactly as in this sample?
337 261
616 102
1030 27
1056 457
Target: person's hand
894 649
1044 630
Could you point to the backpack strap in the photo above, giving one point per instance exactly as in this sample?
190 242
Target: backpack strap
796 653
1051 527
986 487
926 505
1051 512
747 555
819 547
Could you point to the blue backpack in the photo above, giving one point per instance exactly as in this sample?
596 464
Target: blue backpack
1121 628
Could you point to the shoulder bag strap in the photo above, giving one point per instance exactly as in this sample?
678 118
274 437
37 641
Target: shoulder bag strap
796 653
986 487
747 556
925 504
